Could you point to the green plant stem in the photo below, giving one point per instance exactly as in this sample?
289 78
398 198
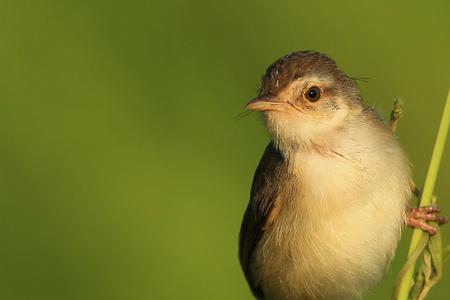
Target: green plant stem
405 284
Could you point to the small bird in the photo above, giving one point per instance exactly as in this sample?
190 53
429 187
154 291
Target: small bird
330 195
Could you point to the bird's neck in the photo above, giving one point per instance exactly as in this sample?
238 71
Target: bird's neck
348 141
325 145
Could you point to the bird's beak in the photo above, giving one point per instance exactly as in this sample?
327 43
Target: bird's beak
263 103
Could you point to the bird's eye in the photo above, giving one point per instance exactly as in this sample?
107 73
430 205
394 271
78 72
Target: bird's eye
313 94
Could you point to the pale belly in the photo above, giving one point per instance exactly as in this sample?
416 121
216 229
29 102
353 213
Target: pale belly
331 242
335 257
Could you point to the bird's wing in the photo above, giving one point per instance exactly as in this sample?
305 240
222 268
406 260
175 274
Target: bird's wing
262 209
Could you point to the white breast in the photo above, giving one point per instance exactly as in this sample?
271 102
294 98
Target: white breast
339 224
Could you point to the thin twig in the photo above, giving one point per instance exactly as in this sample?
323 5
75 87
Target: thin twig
396 114
404 284
411 262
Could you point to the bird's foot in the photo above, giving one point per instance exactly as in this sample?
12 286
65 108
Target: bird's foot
419 216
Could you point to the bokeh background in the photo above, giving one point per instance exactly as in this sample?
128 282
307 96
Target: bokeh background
124 169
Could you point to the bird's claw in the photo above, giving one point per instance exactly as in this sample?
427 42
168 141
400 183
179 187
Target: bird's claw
419 216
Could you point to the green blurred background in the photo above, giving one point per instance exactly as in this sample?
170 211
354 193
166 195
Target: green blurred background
124 172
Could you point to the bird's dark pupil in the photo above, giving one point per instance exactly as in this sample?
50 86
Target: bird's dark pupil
312 93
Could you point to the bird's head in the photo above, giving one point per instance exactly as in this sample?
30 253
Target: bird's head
305 99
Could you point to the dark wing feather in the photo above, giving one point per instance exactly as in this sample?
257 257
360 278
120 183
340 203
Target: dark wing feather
268 177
